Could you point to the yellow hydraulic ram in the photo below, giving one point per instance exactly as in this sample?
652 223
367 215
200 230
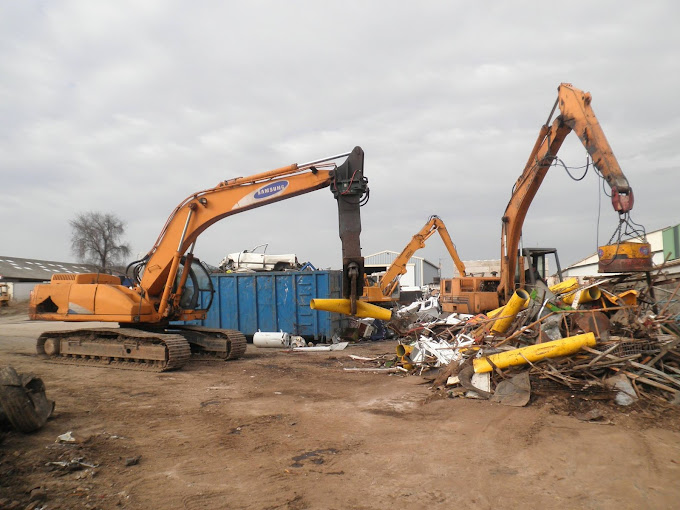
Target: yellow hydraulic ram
343 306
566 286
588 295
537 352
517 302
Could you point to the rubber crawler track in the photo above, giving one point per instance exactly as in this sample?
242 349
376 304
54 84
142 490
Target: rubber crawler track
177 348
226 344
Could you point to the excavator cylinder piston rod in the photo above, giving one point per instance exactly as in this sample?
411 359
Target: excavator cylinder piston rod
518 301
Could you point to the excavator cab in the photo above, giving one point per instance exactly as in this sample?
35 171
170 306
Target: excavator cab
198 291
533 266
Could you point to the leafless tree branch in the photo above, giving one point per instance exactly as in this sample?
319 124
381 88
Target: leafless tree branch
96 239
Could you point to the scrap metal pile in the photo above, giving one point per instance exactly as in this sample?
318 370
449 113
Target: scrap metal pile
614 338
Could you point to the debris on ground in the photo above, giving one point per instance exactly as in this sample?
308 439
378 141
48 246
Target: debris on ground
614 338
321 348
66 437
73 464
23 404
132 461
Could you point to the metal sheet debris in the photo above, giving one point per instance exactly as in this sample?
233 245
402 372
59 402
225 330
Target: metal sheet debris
617 341
625 395
482 385
515 392
66 437
321 348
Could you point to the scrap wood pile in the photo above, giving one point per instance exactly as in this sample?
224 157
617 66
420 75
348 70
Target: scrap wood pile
613 338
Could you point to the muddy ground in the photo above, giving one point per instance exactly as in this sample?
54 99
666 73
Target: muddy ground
279 430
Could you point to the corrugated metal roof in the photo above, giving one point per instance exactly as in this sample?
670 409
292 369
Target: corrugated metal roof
14 268
388 256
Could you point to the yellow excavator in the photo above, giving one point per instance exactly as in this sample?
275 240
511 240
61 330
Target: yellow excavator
576 114
386 290
173 285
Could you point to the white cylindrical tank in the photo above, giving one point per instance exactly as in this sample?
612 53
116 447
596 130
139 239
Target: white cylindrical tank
271 339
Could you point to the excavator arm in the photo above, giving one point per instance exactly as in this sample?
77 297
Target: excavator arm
576 115
446 238
390 279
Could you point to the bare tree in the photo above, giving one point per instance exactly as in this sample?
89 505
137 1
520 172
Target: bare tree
96 239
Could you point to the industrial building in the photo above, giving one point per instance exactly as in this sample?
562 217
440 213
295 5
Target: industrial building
480 268
419 271
21 275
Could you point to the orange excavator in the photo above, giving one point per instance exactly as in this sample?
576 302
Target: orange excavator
468 296
386 290
173 285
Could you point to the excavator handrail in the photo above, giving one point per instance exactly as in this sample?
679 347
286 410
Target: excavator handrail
576 114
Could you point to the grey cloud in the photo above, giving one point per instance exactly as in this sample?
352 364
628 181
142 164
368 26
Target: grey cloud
129 107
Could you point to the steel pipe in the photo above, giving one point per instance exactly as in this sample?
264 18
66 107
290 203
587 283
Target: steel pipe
554 349
343 306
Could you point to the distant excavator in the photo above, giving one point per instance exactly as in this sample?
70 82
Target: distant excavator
386 289
477 295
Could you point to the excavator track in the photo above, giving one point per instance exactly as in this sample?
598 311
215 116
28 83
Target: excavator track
213 343
121 348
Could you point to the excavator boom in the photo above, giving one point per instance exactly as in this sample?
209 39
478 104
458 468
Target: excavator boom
576 114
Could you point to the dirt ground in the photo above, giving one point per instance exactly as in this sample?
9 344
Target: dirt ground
280 430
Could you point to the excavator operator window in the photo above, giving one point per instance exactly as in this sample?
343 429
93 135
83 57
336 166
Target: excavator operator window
198 290
537 265
538 262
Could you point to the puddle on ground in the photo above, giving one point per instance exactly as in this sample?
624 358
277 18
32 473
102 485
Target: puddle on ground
315 457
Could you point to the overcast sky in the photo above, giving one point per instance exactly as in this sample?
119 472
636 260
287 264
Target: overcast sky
129 106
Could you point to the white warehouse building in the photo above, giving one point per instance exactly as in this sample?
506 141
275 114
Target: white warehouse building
419 271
